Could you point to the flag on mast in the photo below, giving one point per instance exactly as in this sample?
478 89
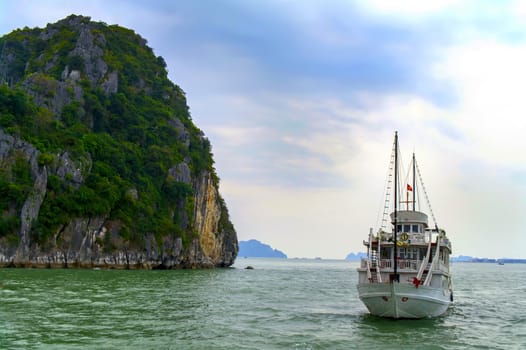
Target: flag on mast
409 188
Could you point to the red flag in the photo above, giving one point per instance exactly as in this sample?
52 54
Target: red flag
409 188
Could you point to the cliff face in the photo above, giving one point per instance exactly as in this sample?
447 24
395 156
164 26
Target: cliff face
101 163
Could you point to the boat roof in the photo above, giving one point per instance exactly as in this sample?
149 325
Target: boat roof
410 217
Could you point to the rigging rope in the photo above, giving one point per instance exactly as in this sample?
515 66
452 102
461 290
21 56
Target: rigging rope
425 195
387 191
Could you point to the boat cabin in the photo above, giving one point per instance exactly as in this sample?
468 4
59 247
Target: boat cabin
413 239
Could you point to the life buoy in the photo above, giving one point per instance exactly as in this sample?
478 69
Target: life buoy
404 236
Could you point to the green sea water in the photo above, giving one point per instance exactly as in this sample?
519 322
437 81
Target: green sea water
280 304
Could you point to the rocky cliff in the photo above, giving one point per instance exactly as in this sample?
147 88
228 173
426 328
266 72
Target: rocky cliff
101 164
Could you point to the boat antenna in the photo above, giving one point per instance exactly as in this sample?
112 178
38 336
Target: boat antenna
414 181
395 276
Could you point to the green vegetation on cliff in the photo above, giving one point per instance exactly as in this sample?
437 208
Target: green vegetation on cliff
96 97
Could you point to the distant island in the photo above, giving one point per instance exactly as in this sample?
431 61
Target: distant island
356 256
465 258
460 258
256 249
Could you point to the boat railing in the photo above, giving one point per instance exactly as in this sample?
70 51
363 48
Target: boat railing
445 242
443 266
363 263
385 263
419 238
408 264
415 238
404 264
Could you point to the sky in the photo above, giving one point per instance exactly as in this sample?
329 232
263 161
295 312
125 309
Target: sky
301 98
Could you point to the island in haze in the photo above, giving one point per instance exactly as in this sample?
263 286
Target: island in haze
467 258
256 249
461 258
355 256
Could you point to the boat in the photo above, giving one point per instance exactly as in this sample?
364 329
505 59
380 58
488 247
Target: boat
406 271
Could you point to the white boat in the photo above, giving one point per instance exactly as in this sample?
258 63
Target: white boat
406 271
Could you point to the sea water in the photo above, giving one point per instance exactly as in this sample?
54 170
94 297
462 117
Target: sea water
280 304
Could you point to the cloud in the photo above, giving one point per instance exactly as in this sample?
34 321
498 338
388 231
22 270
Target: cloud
409 8
490 78
239 136
301 99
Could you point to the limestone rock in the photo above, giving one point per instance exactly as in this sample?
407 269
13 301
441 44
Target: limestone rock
69 170
180 173
111 84
182 133
94 65
75 87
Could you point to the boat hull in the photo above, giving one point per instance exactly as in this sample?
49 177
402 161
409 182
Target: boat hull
402 300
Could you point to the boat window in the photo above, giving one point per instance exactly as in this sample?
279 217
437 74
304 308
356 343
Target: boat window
416 228
399 228
407 228
408 253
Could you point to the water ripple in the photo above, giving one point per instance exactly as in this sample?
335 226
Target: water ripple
281 304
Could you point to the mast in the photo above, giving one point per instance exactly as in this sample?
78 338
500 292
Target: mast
414 181
395 276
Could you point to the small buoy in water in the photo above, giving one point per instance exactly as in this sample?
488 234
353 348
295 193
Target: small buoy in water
249 268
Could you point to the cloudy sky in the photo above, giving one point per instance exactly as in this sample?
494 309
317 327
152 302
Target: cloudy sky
301 98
